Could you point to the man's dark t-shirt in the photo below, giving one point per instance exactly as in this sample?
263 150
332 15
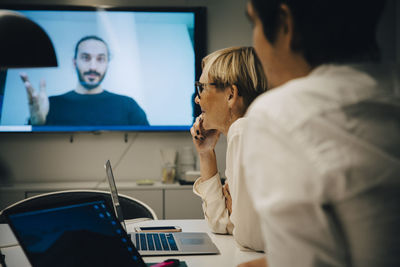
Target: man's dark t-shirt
105 108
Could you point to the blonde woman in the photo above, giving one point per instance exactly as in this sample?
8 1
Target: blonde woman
231 79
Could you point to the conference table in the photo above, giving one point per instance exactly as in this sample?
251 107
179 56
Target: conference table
230 253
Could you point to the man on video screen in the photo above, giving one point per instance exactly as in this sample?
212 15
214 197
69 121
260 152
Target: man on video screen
88 103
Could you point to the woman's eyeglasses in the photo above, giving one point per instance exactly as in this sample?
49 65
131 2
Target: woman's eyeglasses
200 87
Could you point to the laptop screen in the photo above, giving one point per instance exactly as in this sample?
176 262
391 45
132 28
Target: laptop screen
84 234
114 194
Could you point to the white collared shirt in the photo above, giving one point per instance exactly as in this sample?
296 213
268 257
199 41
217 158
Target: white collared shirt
322 161
243 222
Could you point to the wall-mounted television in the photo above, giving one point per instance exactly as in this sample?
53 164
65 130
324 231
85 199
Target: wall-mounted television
119 69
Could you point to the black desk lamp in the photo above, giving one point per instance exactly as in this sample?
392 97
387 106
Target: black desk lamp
23 43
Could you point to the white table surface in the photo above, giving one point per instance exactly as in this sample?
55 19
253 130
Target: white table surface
231 254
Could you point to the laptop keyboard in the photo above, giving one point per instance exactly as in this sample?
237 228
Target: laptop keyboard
154 241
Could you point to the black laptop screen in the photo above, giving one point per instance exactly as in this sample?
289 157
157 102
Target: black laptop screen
85 234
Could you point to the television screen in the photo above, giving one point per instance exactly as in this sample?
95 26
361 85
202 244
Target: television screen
118 69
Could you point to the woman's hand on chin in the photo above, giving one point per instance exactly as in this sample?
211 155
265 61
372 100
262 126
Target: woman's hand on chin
204 140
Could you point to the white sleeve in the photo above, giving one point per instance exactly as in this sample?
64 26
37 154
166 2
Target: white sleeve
286 192
246 231
214 208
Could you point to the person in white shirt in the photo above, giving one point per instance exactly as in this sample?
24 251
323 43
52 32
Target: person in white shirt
231 79
322 146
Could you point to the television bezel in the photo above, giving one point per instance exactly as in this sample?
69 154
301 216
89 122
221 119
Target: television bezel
200 49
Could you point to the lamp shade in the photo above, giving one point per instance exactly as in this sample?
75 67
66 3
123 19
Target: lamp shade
24 44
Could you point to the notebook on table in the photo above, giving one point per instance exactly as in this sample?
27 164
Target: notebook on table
159 244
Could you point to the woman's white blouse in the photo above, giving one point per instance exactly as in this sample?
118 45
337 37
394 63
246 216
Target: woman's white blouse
243 223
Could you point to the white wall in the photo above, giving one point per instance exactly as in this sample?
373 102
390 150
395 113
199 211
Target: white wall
51 157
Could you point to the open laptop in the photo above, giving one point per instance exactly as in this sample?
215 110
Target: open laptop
75 233
160 244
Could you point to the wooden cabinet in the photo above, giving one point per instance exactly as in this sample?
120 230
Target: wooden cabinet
182 204
152 197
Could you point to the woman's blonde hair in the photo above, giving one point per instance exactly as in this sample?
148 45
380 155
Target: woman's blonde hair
236 66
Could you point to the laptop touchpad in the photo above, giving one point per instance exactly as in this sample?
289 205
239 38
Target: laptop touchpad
192 241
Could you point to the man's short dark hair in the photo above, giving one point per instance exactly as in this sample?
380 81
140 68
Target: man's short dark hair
91 37
326 31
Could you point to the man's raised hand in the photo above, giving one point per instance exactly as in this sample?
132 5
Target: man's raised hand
38 101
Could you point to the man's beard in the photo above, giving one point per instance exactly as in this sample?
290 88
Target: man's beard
87 85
